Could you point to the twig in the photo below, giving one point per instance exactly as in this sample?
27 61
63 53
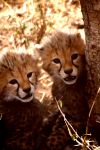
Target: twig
91 110
80 141
43 95
43 77
0 116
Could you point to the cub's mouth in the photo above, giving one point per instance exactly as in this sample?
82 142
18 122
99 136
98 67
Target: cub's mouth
70 80
27 98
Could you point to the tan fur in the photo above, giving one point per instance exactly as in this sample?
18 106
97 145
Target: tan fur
68 87
17 66
21 111
62 46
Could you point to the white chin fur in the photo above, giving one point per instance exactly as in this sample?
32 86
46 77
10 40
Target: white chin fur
11 98
25 100
70 82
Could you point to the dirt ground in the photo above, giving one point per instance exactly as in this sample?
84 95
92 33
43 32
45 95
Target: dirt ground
25 22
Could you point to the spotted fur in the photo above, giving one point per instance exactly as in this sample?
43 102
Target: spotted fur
21 112
63 58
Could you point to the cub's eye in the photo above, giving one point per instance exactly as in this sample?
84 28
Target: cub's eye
74 56
56 60
29 74
13 81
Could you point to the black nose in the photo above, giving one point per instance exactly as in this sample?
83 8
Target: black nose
27 90
68 71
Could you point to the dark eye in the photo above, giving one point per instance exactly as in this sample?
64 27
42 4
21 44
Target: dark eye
74 56
56 60
29 74
13 81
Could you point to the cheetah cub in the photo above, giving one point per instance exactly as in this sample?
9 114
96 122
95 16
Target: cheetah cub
63 58
21 113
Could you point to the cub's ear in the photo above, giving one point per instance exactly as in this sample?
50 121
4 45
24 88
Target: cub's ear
81 35
78 35
39 48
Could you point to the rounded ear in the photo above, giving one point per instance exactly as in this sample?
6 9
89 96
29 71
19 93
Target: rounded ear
81 35
78 35
39 47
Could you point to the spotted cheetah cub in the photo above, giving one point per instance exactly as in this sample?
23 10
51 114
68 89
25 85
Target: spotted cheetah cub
21 113
63 58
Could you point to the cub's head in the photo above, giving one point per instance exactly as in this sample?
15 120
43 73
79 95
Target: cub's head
63 55
18 76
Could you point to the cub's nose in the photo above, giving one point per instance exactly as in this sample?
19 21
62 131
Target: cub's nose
27 90
68 71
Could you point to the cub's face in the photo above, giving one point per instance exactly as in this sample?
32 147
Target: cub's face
62 56
18 77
